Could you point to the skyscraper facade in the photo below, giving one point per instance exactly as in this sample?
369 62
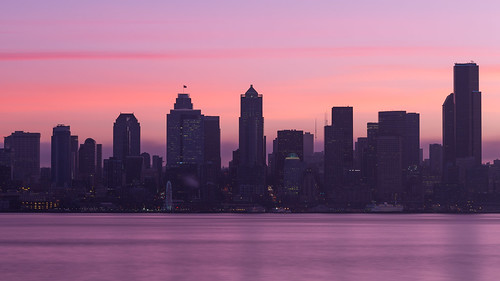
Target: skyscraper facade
61 156
338 147
193 150
25 156
467 98
185 143
126 136
251 153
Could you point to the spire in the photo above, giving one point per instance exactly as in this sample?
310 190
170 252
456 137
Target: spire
251 92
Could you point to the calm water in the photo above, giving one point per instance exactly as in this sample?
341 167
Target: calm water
249 247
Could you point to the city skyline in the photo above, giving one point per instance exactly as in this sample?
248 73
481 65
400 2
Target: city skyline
69 60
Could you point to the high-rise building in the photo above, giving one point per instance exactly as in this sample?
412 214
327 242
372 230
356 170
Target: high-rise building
61 160
308 146
74 157
449 131
436 158
288 142
193 149
25 156
185 142
338 148
398 152
126 136
87 163
467 100
251 170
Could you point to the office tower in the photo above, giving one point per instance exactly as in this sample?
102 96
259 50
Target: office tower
359 153
449 132
193 150
5 169
398 151
407 126
293 170
98 171
87 157
126 136
113 176
212 161
87 163
389 168
74 157
338 148
370 157
308 146
467 99
288 142
61 160
184 133
25 156
436 158
157 163
146 164
251 171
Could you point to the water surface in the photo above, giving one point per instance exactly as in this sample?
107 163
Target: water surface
249 247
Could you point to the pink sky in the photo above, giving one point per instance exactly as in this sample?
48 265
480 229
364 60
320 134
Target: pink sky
81 63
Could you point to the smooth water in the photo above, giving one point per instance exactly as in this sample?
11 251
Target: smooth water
249 247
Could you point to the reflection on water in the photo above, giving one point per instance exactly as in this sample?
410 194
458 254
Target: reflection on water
249 247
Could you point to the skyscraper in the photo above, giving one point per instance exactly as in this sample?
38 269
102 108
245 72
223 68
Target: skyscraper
61 156
126 136
87 163
449 132
193 149
25 156
185 144
251 153
338 147
467 98
308 146
287 143
398 151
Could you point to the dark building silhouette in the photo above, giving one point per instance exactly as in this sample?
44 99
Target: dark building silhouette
74 158
436 158
212 159
99 163
193 151
25 156
308 146
126 136
467 98
398 152
251 166
185 142
61 156
338 148
287 143
407 127
449 131
146 164
88 163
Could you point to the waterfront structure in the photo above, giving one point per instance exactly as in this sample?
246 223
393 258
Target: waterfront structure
24 150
